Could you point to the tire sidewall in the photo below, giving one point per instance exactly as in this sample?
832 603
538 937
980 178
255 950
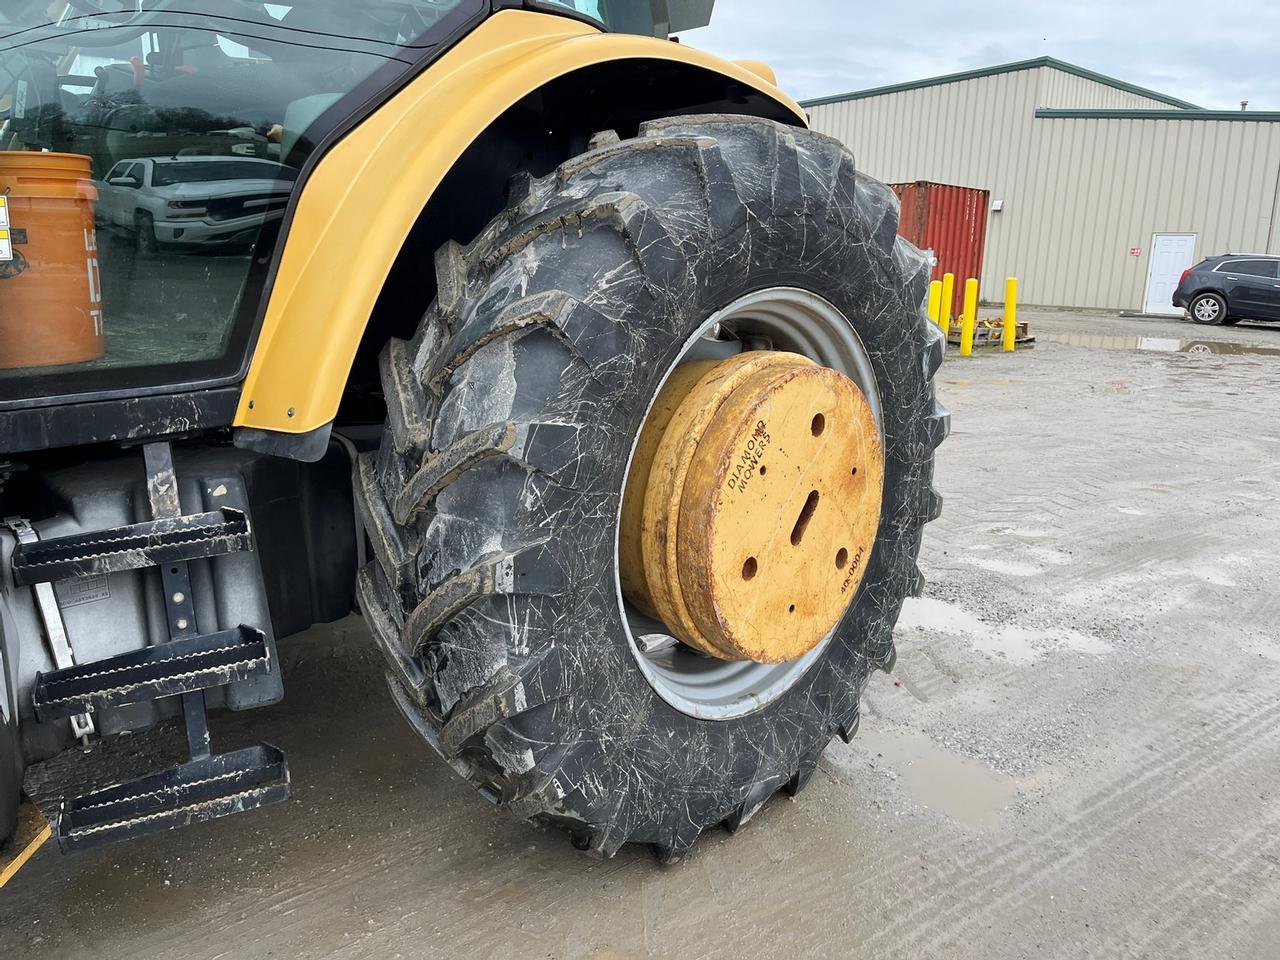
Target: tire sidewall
562 322
880 309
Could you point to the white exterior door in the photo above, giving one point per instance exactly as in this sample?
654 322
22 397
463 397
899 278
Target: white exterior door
1171 253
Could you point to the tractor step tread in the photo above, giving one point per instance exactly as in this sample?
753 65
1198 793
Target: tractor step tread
193 792
132 547
163 670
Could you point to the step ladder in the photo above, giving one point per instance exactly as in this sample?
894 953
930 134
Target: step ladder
207 786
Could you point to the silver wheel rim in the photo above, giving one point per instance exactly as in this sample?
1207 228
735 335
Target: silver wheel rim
799 322
1207 310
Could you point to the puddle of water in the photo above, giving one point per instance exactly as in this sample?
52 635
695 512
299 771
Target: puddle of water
1097 341
1037 561
959 787
1215 576
1030 533
1264 647
1008 568
1018 645
1048 555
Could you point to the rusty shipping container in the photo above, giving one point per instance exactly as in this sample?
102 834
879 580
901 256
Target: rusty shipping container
952 222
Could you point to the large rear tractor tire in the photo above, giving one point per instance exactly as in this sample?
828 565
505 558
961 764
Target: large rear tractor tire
494 505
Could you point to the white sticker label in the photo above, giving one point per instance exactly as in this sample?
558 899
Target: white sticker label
72 593
6 247
20 100
4 213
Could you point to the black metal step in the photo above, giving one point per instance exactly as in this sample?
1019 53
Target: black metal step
193 792
133 547
179 666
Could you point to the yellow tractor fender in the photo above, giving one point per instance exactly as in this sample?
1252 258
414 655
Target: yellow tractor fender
363 197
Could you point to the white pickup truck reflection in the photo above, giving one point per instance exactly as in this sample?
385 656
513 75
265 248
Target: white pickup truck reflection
189 204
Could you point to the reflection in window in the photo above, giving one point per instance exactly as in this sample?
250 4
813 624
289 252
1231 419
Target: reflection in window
191 120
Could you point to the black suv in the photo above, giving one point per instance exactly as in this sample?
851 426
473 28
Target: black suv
1231 288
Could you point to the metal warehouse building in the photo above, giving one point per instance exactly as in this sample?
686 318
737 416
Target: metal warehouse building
1101 193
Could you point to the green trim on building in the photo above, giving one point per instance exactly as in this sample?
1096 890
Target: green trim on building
1053 62
1256 116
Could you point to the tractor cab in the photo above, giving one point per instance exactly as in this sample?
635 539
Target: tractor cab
181 131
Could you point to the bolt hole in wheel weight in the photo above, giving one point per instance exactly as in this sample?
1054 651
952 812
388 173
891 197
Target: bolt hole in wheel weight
806 514
738 496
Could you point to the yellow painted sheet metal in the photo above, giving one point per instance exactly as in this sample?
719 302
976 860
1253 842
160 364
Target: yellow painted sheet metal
364 196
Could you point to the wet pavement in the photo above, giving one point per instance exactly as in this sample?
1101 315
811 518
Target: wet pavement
1202 347
1077 755
1054 323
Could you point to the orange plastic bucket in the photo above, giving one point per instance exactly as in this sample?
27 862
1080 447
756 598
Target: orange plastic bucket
50 286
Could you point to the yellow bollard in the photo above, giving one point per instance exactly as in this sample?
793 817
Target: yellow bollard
1010 314
948 298
969 319
935 303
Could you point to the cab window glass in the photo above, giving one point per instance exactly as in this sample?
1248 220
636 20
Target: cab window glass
170 135
646 17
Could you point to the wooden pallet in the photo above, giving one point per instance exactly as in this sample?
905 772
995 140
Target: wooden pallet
990 333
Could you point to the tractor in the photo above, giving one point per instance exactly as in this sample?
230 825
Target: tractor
564 353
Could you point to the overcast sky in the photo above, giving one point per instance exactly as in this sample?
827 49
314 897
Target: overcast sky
1212 54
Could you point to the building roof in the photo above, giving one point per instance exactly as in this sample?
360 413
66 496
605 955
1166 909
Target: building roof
1033 64
1255 116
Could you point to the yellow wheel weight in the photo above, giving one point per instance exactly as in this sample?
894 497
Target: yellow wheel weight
630 554
670 468
779 514
708 542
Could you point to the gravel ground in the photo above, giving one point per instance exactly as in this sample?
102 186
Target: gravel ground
1078 754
